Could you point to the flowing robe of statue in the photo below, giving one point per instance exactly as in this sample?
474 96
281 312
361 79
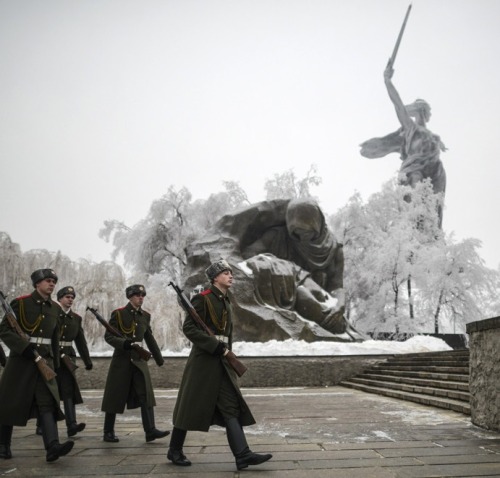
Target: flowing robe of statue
288 271
419 148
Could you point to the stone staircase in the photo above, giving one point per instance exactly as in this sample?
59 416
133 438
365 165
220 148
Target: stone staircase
438 379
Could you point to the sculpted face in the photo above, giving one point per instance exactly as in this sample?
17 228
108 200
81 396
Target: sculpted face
304 220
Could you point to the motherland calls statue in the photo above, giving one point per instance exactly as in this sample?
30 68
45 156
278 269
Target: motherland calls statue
288 271
418 147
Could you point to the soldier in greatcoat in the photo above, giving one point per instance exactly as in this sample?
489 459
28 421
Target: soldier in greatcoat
24 393
209 392
129 382
71 330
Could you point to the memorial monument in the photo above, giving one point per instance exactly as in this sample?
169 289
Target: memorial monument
288 270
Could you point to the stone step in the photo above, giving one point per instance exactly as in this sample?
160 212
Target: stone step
445 353
421 363
406 387
423 368
453 377
423 382
446 403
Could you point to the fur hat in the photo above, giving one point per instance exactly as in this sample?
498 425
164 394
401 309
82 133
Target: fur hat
216 268
134 289
68 290
41 274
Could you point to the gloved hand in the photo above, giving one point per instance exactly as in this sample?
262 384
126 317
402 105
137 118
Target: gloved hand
29 352
220 349
88 366
127 345
160 363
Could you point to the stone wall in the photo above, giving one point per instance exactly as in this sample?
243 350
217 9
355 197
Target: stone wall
262 371
484 345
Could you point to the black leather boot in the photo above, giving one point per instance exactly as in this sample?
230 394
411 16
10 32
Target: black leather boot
175 453
148 423
51 438
5 439
109 428
70 412
239 446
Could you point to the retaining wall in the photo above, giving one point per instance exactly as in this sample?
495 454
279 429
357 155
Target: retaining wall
484 345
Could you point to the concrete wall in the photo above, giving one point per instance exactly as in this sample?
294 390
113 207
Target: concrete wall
484 345
262 371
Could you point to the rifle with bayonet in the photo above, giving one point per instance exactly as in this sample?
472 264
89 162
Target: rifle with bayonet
231 358
43 367
392 59
142 352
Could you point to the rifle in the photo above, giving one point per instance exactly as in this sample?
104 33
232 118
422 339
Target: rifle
3 357
392 59
70 365
231 358
42 365
143 353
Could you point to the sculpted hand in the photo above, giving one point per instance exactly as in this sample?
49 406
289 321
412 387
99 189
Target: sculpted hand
388 72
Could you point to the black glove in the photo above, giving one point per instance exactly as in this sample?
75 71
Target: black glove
29 353
220 349
127 345
88 366
160 363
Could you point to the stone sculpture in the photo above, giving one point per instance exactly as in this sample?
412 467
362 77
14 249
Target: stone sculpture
288 271
419 148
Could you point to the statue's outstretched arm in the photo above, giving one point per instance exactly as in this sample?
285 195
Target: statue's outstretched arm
402 113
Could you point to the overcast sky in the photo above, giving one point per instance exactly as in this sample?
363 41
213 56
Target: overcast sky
106 103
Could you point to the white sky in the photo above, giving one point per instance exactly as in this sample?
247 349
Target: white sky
106 103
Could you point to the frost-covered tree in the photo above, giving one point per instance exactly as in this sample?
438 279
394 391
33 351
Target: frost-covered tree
287 186
401 273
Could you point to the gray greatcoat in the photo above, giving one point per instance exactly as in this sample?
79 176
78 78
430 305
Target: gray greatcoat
38 318
136 326
195 408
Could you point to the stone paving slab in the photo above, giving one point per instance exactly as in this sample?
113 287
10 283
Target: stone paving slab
312 432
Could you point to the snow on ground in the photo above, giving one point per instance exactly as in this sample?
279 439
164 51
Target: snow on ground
289 347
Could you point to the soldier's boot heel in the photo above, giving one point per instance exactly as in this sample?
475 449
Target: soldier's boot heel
239 446
109 428
148 423
5 439
51 438
70 412
175 453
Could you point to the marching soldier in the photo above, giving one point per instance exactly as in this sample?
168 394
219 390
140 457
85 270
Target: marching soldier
128 382
209 393
70 330
24 393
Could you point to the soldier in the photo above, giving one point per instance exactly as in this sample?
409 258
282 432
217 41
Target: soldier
24 393
128 382
209 393
71 330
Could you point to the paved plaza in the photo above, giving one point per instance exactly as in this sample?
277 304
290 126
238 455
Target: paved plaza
312 432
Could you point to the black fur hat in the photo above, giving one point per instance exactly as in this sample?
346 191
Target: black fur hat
41 274
134 289
68 290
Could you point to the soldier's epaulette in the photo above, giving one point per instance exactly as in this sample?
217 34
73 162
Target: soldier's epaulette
147 311
205 292
122 308
23 297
